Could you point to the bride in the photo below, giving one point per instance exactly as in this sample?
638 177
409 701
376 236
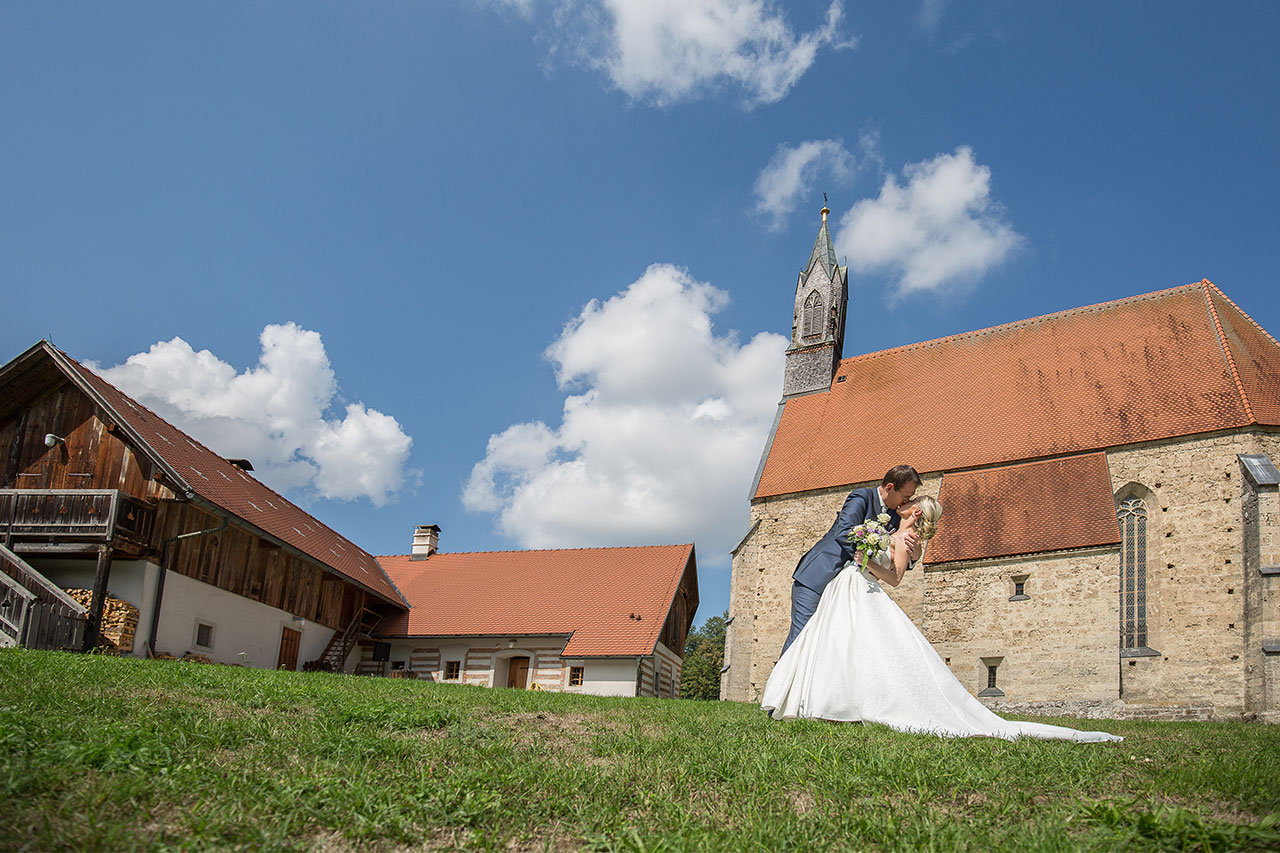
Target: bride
861 658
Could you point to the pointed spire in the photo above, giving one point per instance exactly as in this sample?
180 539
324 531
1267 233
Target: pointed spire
822 249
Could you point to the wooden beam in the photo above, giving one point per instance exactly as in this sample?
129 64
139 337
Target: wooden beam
93 628
55 548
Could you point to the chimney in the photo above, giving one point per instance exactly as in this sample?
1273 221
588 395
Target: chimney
426 541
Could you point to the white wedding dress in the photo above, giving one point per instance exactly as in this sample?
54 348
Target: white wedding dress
861 658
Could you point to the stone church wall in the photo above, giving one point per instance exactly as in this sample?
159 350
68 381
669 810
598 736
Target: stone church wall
1261 510
1059 642
1209 610
1195 569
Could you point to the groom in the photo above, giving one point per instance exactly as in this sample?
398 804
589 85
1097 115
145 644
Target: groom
824 560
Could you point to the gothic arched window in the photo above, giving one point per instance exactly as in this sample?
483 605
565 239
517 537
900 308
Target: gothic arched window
813 315
1132 516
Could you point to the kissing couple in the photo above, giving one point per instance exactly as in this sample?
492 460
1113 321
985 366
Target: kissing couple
852 654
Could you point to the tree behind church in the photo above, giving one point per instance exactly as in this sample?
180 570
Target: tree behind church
703 659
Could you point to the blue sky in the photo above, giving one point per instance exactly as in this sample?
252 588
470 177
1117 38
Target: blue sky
525 268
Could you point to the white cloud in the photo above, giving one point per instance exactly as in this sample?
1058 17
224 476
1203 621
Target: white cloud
661 432
273 414
930 14
792 173
938 232
667 51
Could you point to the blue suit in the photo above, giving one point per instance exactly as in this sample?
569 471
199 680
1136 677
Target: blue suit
825 559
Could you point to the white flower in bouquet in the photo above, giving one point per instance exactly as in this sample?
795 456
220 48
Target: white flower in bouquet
871 538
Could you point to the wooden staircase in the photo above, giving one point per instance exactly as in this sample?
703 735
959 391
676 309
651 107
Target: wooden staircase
340 645
33 611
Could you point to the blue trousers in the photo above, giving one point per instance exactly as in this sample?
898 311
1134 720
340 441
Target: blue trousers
803 602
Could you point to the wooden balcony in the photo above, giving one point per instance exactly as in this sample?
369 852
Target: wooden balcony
104 516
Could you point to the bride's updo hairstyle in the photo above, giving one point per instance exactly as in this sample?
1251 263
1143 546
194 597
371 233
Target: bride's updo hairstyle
930 512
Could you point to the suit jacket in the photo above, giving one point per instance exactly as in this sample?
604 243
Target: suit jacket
824 560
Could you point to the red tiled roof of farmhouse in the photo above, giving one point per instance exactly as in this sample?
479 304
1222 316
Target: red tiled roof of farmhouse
1033 507
588 593
1176 362
222 484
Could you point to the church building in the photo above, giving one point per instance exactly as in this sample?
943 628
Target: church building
1110 541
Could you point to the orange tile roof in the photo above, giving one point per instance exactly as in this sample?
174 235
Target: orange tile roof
587 594
1171 363
1051 505
224 485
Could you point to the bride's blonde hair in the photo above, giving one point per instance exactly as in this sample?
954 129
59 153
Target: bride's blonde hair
930 512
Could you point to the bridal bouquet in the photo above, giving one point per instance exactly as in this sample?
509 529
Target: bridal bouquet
871 538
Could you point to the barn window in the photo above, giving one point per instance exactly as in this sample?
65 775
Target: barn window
451 670
203 636
575 676
813 315
1132 516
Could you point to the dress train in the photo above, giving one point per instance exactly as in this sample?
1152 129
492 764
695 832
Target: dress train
861 658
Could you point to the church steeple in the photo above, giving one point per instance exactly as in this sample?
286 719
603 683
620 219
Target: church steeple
817 328
823 252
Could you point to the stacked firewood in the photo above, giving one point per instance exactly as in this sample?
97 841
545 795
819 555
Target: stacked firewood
119 619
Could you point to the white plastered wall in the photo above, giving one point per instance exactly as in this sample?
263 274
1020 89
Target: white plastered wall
600 676
245 631
240 624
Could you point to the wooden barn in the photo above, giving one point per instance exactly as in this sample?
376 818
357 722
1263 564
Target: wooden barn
179 550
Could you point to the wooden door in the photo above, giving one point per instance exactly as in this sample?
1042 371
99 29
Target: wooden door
289 640
517 672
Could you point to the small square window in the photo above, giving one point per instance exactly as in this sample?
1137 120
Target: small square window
575 676
1019 588
451 670
204 636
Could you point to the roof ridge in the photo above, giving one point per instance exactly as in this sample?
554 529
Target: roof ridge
1025 322
1022 463
545 550
1204 286
205 447
1243 313
85 385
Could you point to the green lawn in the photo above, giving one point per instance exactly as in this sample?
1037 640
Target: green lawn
110 754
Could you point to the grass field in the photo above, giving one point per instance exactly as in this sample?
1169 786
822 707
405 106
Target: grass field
116 754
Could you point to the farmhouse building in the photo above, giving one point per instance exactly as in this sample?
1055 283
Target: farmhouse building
607 621
1110 542
117 528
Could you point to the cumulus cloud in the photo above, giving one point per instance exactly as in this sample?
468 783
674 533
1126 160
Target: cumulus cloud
667 51
938 231
793 171
661 433
274 414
